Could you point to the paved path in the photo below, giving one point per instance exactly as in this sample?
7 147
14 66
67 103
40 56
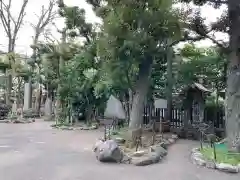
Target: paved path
36 152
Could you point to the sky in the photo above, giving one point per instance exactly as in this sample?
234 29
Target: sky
34 6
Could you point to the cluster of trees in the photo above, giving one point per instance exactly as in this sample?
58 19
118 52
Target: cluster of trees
131 55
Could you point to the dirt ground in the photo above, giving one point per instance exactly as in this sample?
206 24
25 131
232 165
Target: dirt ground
38 152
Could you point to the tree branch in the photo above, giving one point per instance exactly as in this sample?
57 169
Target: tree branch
197 38
4 20
7 19
47 15
218 1
19 21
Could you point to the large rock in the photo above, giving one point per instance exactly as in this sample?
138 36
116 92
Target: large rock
30 113
227 168
159 150
108 151
150 158
97 144
138 153
119 140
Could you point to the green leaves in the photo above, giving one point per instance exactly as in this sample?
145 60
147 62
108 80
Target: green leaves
206 64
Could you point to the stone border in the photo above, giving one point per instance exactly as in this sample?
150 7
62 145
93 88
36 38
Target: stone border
74 128
18 121
198 159
150 155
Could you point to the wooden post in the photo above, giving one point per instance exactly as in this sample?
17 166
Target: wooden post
105 132
160 128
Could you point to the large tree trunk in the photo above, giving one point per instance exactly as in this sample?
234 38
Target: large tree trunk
59 106
89 114
8 88
233 80
142 86
169 83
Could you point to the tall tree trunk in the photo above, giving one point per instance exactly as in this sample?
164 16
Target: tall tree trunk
169 83
61 67
89 114
142 86
232 111
8 88
28 88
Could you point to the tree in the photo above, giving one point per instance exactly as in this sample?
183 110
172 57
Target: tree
133 33
202 64
68 63
229 23
46 16
11 27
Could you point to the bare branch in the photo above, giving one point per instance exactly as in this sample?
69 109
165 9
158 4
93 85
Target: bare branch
19 21
4 20
7 19
47 15
49 37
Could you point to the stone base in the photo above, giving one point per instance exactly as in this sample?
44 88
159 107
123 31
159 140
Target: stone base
19 121
198 159
62 127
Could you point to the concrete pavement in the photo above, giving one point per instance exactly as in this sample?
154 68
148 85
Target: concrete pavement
37 152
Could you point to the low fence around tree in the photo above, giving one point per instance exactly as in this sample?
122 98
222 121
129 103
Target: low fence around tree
178 115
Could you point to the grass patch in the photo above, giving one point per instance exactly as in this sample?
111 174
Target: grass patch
119 132
221 156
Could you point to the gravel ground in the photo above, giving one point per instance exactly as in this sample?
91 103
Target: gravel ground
37 152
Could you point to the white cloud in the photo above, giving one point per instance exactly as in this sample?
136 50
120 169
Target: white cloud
34 6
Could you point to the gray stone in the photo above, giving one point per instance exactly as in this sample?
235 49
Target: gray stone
198 154
171 141
85 128
166 142
150 158
194 150
100 141
27 93
48 109
66 128
175 136
162 144
119 140
227 168
138 153
126 159
198 160
93 127
159 150
109 151
211 164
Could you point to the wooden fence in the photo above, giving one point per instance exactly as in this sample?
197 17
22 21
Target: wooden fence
217 117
